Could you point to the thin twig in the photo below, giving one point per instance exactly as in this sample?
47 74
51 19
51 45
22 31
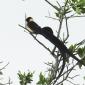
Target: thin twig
55 7
68 72
72 16
73 77
66 30
36 39
52 18
72 82
59 30
4 67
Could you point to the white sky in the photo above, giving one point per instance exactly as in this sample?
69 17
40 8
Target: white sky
18 47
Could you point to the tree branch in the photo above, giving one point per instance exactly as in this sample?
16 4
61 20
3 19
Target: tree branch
36 39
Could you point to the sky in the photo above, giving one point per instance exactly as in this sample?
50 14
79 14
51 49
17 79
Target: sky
19 48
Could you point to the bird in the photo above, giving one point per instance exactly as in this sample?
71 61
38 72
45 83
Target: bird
48 30
33 27
48 34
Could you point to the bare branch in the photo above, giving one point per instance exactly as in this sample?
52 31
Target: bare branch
52 18
4 67
66 30
72 16
55 7
72 82
73 77
59 30
36 39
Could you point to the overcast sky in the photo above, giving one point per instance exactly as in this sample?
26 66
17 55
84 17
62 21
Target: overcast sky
18 47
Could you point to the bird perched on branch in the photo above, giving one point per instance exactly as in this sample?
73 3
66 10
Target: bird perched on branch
32 26
48 34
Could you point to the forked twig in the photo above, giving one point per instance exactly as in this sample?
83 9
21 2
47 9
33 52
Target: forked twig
36 39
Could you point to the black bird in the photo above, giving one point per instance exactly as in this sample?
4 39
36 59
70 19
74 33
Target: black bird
48 33
32 26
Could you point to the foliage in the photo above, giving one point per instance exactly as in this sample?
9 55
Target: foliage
80 51
25 78
78 5
42 80
28 78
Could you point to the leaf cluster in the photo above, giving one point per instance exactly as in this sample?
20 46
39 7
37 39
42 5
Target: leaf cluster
78 6
42 80
77 49
25 78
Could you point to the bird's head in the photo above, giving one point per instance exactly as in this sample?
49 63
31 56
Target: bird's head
29 19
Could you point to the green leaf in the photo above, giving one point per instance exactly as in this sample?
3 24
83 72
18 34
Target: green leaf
83 61
81 52
57 14
42 80
62 84
84 77
1 73
78 6
78 10
25 78
29 77
72 48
